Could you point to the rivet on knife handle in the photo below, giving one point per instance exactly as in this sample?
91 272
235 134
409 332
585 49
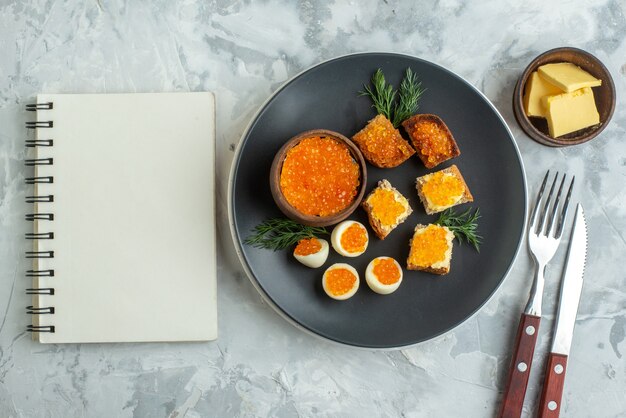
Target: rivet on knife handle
520 367
550 404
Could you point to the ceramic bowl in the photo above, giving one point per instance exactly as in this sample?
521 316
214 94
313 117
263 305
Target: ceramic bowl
292 212
537 128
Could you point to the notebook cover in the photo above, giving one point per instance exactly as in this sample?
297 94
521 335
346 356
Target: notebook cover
134 217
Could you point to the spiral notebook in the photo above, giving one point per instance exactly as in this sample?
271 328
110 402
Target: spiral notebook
124 218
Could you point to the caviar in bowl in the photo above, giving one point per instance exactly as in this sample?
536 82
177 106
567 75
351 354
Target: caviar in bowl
318 178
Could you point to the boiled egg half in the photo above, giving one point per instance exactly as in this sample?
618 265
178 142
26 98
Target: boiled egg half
349 238
340 281
383 275
312 252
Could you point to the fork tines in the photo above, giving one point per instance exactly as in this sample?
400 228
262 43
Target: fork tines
556 229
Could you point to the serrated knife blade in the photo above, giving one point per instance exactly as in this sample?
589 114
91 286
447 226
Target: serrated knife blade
571 288
572 285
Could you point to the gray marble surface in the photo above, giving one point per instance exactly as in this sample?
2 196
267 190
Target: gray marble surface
261 365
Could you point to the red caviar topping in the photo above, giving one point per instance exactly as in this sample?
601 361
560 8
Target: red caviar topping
308 246
319 176
354 239
429 246
386 271
339 281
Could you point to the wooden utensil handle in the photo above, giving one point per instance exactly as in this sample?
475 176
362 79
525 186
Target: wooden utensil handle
550 404
520 367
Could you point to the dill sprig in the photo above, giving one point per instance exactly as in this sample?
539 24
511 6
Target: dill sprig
408 100
384 96
464 225
280 233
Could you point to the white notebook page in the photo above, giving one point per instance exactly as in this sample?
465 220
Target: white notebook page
134 227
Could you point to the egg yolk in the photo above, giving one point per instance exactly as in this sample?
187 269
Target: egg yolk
308 246
339 281
443 189
386 271
429 246
354 239
385 207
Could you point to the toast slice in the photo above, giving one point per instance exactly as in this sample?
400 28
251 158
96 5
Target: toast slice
381 143
431 249
386 208
431 138
443 189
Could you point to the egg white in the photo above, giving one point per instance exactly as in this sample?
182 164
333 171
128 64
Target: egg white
317 259
375 284
352 291
335 238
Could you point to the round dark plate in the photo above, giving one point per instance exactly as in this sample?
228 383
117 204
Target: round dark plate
326 96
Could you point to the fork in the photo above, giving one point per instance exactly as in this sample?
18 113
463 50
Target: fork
544 236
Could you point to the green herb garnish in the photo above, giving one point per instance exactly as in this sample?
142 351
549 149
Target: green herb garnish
383 96
409 96
280 233
463 225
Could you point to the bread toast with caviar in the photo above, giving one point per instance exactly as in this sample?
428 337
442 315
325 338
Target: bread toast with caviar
386 208
431 138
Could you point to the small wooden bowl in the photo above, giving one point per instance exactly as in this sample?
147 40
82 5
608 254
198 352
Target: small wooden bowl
290 211
537 128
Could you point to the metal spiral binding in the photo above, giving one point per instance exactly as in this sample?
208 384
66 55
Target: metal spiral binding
39 124
31 143
38 161
40 273
37 273
39 254
39 106
39 235
39 216
33 199
40 291
39 311
40 328
43 179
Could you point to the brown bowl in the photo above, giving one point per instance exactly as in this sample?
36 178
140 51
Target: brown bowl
290 211
537 128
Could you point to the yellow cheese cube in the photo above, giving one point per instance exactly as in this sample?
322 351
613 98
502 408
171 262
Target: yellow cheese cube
567 76
536 88
569 112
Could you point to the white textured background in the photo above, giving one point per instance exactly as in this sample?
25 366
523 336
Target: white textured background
262 366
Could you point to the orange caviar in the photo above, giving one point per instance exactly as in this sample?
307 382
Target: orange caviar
385 207
308 246
429 246
319 177
339 281
443 189
382 144
434 143
354 239
386 270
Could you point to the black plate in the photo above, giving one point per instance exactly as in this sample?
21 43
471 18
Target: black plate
425 305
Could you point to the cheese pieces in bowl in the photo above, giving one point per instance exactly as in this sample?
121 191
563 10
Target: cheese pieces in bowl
350 238
383 275
562 94
340 281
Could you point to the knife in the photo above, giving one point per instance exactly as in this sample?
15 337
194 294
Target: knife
571 287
